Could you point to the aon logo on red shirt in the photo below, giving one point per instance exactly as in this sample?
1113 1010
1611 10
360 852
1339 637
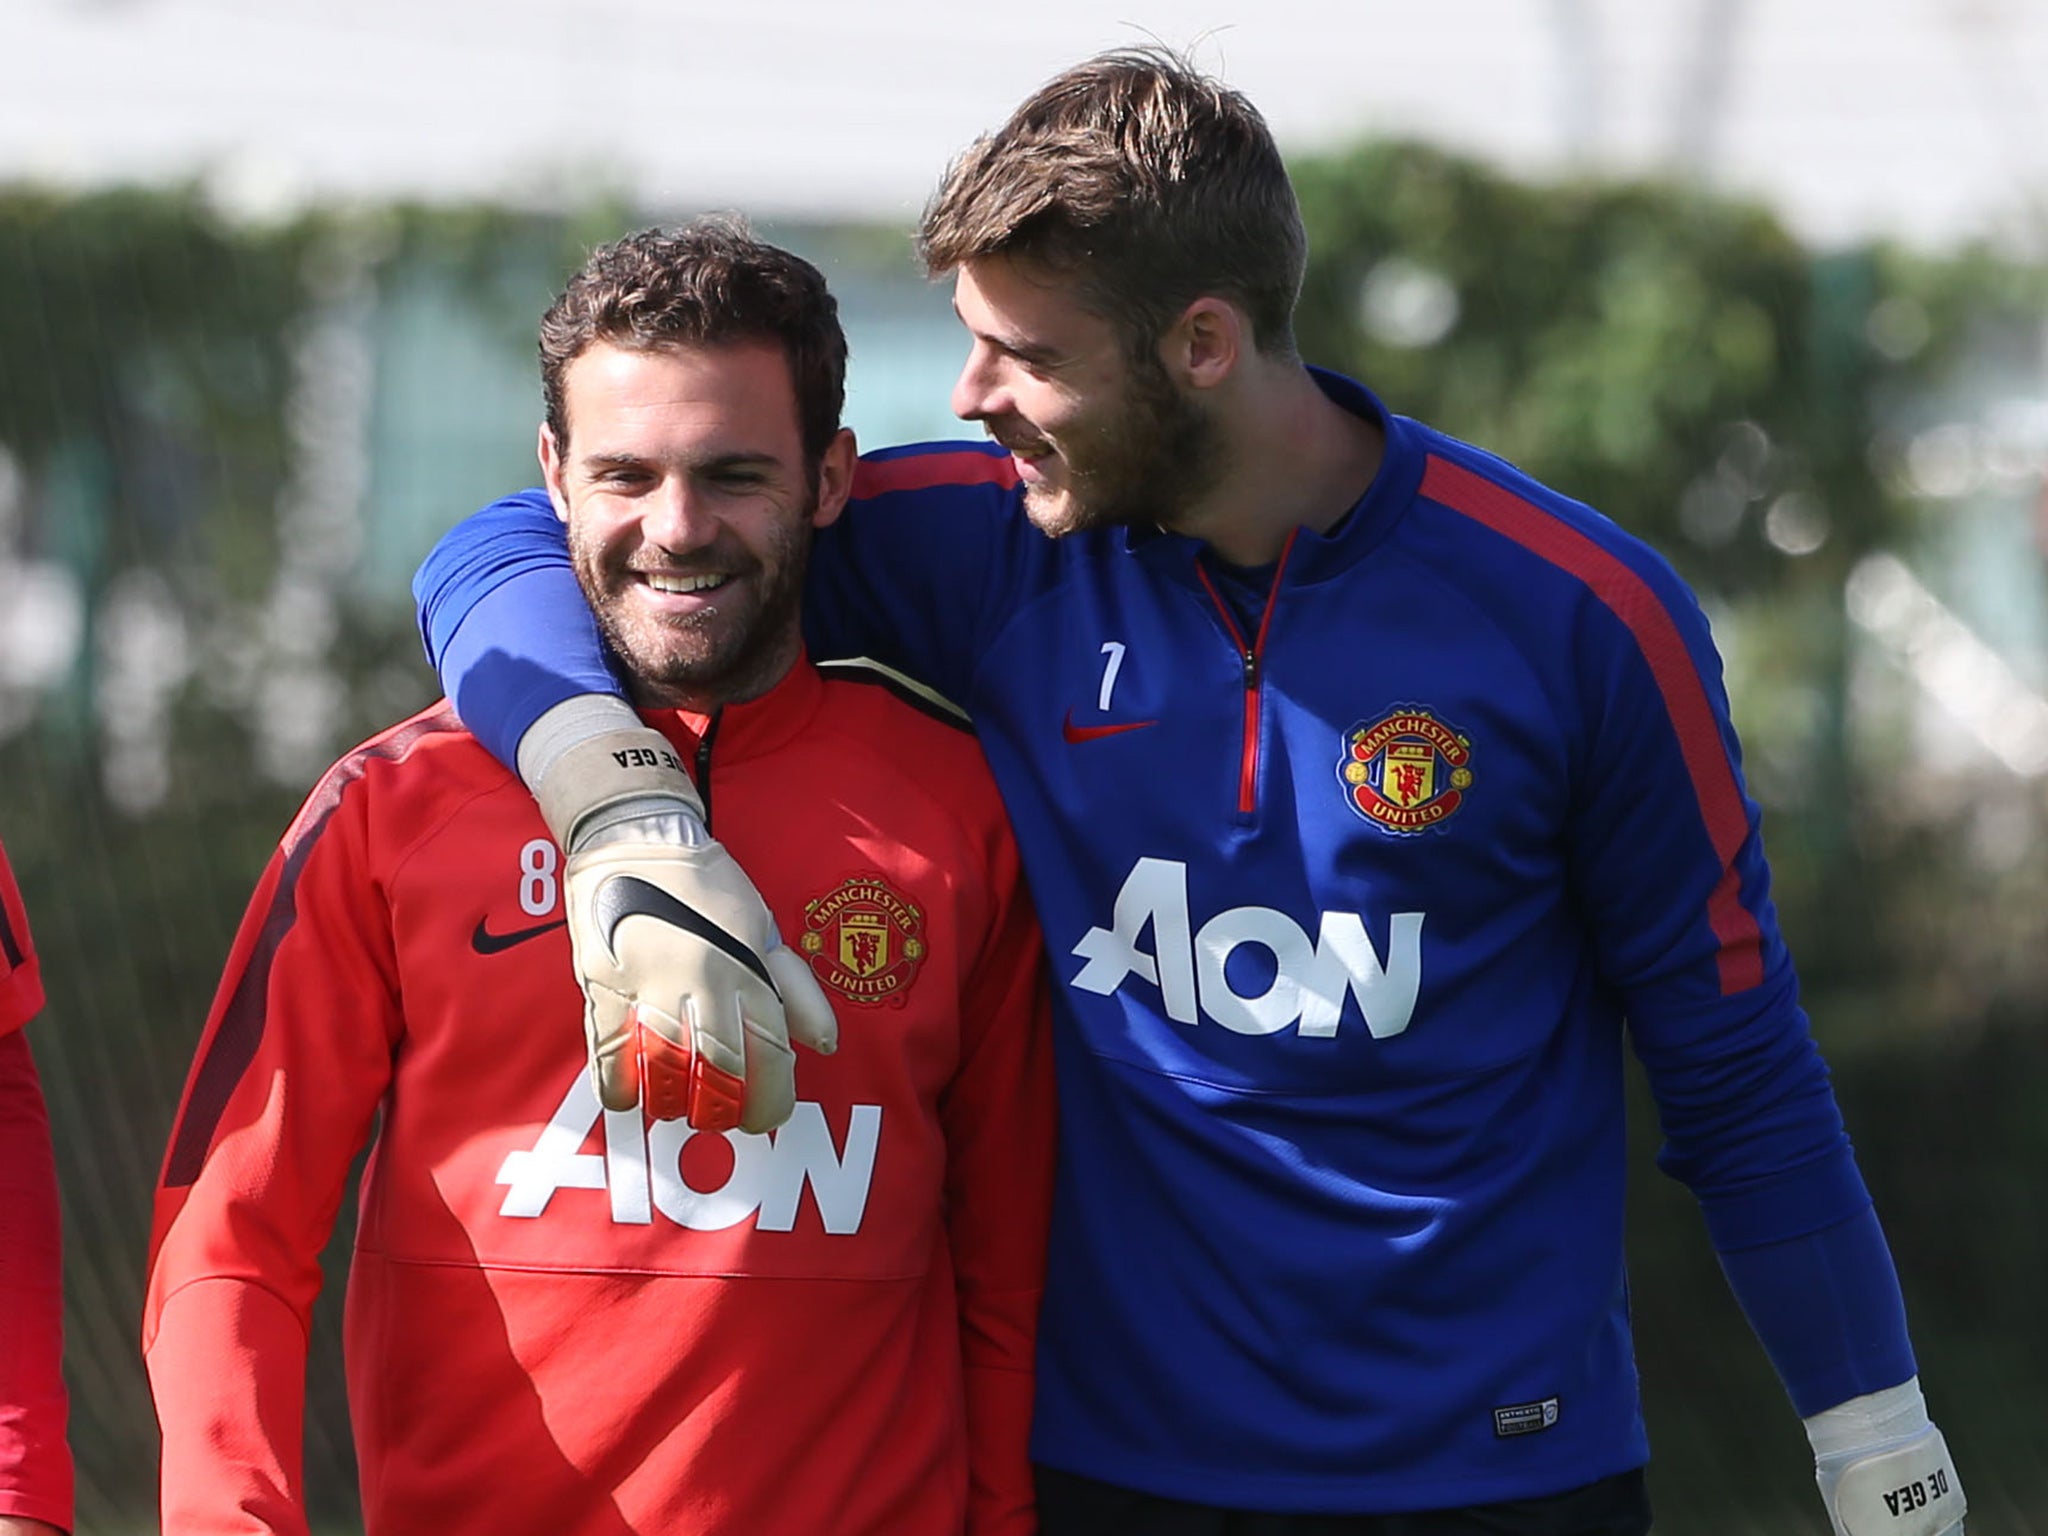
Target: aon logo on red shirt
1311 978
641 1168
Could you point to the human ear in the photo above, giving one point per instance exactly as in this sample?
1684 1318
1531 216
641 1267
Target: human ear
551 471
1203 346
835 477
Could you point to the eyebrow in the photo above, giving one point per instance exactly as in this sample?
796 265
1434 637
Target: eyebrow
592 462
1043 357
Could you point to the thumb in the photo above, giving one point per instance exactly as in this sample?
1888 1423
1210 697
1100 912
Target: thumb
810 1017
614 1063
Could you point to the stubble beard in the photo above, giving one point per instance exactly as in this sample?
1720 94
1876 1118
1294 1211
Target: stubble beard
1143 468
703 660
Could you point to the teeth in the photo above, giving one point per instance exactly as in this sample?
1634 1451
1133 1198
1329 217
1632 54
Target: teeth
663 581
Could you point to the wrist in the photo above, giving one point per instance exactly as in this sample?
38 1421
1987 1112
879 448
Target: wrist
1883 1468
1863 1423
617 770
647 820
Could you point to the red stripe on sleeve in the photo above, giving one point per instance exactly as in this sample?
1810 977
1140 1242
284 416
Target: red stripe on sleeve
242 1014
921 471
1630 599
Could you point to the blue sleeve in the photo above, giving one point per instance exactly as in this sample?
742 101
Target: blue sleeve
1828 1310
505 623
927 563
1668 853
1668 864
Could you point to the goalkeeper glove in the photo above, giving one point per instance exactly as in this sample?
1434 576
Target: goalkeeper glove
691 999
1884 1469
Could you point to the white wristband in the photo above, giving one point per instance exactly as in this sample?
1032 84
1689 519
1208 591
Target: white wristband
589 768
1883 1468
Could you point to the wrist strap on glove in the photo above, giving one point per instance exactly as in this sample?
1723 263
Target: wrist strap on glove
606 772
1884 1469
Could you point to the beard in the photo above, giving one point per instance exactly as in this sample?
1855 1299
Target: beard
1144 465
735 649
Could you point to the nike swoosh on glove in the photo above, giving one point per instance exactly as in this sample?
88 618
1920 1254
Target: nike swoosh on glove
691 1000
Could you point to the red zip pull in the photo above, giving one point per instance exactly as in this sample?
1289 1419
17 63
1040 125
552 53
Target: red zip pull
1250 656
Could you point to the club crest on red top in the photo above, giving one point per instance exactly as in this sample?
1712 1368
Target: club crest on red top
864 940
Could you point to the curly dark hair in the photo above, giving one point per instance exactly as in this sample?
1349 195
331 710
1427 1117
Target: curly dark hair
706 284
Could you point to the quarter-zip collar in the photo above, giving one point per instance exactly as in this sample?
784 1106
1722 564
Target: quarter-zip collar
753 729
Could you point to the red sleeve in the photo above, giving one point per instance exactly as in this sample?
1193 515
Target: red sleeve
999 1120
35 1463
294 1059
21 982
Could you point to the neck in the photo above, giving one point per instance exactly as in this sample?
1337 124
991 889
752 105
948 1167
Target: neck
1293 458
738 684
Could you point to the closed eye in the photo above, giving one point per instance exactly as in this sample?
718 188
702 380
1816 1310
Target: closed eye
616 474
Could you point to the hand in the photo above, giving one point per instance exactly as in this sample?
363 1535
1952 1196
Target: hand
16 1525
1902 1487
691 999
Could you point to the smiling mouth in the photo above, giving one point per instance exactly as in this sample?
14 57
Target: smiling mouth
677 584
1021 448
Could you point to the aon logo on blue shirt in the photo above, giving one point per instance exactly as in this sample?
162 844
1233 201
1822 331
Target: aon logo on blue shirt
1311 981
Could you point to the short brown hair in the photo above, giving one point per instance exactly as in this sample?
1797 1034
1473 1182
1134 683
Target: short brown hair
1146 182
708 283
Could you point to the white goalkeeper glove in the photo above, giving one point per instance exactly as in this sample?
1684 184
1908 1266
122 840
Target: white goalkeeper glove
1884 1469
690 998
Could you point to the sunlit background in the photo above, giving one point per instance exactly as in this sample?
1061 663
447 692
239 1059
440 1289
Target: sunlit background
1766 282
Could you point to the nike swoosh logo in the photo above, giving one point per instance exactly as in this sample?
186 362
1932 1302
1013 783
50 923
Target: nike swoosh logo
485 942
1078 733
624 896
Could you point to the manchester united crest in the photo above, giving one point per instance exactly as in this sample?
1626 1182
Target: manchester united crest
1406 772
864 940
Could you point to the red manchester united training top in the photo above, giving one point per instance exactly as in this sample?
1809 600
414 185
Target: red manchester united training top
567 1320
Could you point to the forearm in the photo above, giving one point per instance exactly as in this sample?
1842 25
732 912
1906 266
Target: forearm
1827 1310
505 624
35 1462
227 1368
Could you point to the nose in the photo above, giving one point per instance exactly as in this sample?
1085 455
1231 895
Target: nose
976 391
677 518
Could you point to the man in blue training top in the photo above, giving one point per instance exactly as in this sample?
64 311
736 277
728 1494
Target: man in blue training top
1370 794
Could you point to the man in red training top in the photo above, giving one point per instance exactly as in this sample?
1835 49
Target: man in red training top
35 1463
568 1317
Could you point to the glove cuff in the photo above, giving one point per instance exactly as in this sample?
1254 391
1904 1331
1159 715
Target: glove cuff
604 771
1903 1487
